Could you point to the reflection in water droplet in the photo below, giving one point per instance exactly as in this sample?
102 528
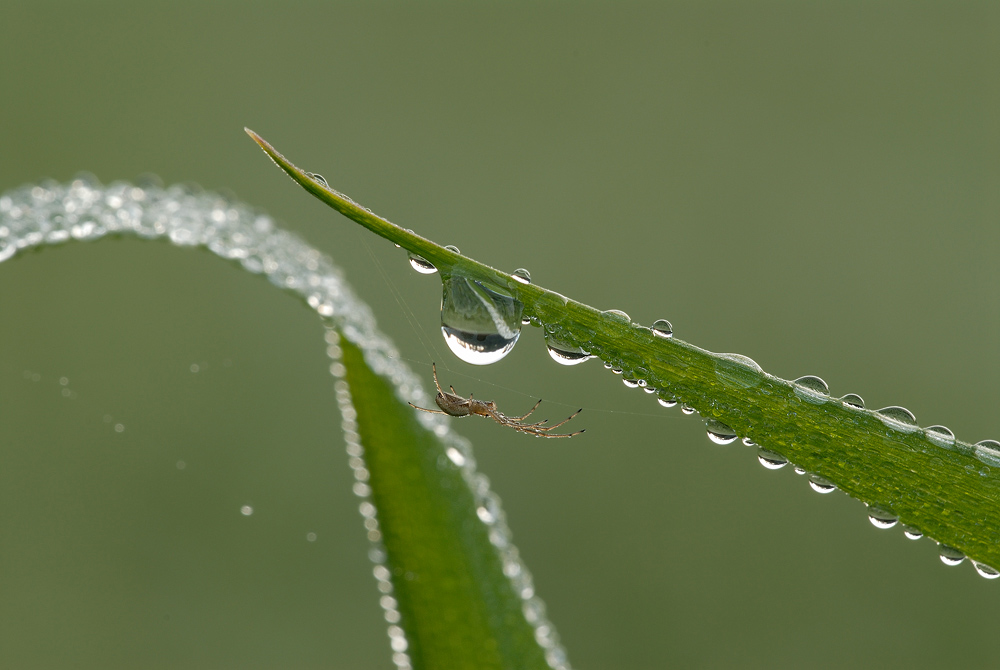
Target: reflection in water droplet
820 485
881 519
812 389
750 443
452 248
521 275
988 451
912 533
854 400
666 402
898 418
719 432
770 459
421 264
563 352
985 570
687 409
617 315
940 436
950 556
631 383
662 328
479 324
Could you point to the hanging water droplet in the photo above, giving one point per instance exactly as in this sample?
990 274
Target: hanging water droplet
771 460
985 571
748 442
421 264
617 371
563 352
666 402
631 383
820 485
738 369
480 324
719 432
521 275
988 451
687 409
950 555
940 436
881 519
798 470
854 400
898 418
662 328
812 389
912 533
607 366
617 315
649 389
452 248
318 178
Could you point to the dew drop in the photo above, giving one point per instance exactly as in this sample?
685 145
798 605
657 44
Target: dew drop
748 442
617 371
719 432
649 389
479 324
246 510
770 459
607 366
687 409
319 179
666 402
563 352
798 470
521 275
452 248
854 400
985 571
662 328
631 383
988 451
738 369
950 555
898 418
820 485
617 315
881 519
940 436
811 389
912 533
421 264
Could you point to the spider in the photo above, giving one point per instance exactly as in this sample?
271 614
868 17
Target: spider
453 404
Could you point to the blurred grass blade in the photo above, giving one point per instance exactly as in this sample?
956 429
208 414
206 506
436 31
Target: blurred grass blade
458 608
926 478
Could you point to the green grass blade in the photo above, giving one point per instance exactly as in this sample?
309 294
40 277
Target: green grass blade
458 609
947 489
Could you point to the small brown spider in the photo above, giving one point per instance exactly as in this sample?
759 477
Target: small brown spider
453 404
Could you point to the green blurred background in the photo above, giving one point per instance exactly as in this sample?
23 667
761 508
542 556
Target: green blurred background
814 185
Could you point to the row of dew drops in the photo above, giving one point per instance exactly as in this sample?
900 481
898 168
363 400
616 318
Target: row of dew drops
481 324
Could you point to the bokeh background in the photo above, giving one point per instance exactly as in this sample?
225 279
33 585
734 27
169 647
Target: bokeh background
814 185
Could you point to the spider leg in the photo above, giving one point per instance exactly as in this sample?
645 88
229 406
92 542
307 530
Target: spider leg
525 416
429 411
541 432
435 371
556 425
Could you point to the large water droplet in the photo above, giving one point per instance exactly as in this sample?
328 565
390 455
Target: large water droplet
854 400
662 328
738 369
898 418
771 460
452 248
688 409
881 519
940 436
985 570
912 533
480 324
820 485
521 275
719 432
318 178
421 264
988 451
812 389
666 402
631 383
950 555
563 352
617 315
